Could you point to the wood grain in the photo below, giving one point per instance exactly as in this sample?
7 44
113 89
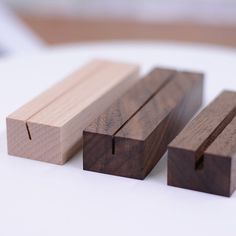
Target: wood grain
49 128
201 157
131 136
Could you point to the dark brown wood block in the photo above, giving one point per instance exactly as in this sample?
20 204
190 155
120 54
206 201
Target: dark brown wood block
202 157
131 136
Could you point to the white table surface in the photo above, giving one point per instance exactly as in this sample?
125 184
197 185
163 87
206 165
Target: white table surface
41 199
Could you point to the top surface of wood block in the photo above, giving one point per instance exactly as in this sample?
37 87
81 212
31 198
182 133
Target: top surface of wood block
126 106
59 104
125 117
210 122
44 99
163 102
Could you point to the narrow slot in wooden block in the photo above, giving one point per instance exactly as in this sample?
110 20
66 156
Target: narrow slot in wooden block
49 128
202 156
131 136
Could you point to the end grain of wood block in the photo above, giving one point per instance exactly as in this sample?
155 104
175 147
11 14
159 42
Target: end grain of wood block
131 136
49 128
202 157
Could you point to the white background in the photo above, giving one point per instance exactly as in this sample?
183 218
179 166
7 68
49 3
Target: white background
16 37
41 199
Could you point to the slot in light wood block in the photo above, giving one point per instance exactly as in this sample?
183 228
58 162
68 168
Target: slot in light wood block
203 156
131 136
49 128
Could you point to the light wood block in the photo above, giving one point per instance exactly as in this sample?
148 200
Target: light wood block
49 128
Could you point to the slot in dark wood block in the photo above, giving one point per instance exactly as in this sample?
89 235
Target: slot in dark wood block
131 136
202 157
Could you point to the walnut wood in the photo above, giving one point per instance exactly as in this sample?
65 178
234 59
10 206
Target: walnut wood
49 128
131 136
201 157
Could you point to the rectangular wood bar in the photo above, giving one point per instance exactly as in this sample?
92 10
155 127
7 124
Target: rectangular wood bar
49 128
202 156
131 136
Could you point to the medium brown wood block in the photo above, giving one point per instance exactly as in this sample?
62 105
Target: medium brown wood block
202 157
49 128
131 136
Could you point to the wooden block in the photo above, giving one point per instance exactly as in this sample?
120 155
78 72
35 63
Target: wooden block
50 127
131 136
202 157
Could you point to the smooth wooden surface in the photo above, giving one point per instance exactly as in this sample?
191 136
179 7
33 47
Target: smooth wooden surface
131 136
59 30
49 128
202 156
109 122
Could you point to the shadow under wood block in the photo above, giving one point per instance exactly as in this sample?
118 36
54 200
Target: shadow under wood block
50 127
131 136
202 156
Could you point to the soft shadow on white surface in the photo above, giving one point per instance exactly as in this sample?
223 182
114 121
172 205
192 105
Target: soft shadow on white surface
76 161
159 173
